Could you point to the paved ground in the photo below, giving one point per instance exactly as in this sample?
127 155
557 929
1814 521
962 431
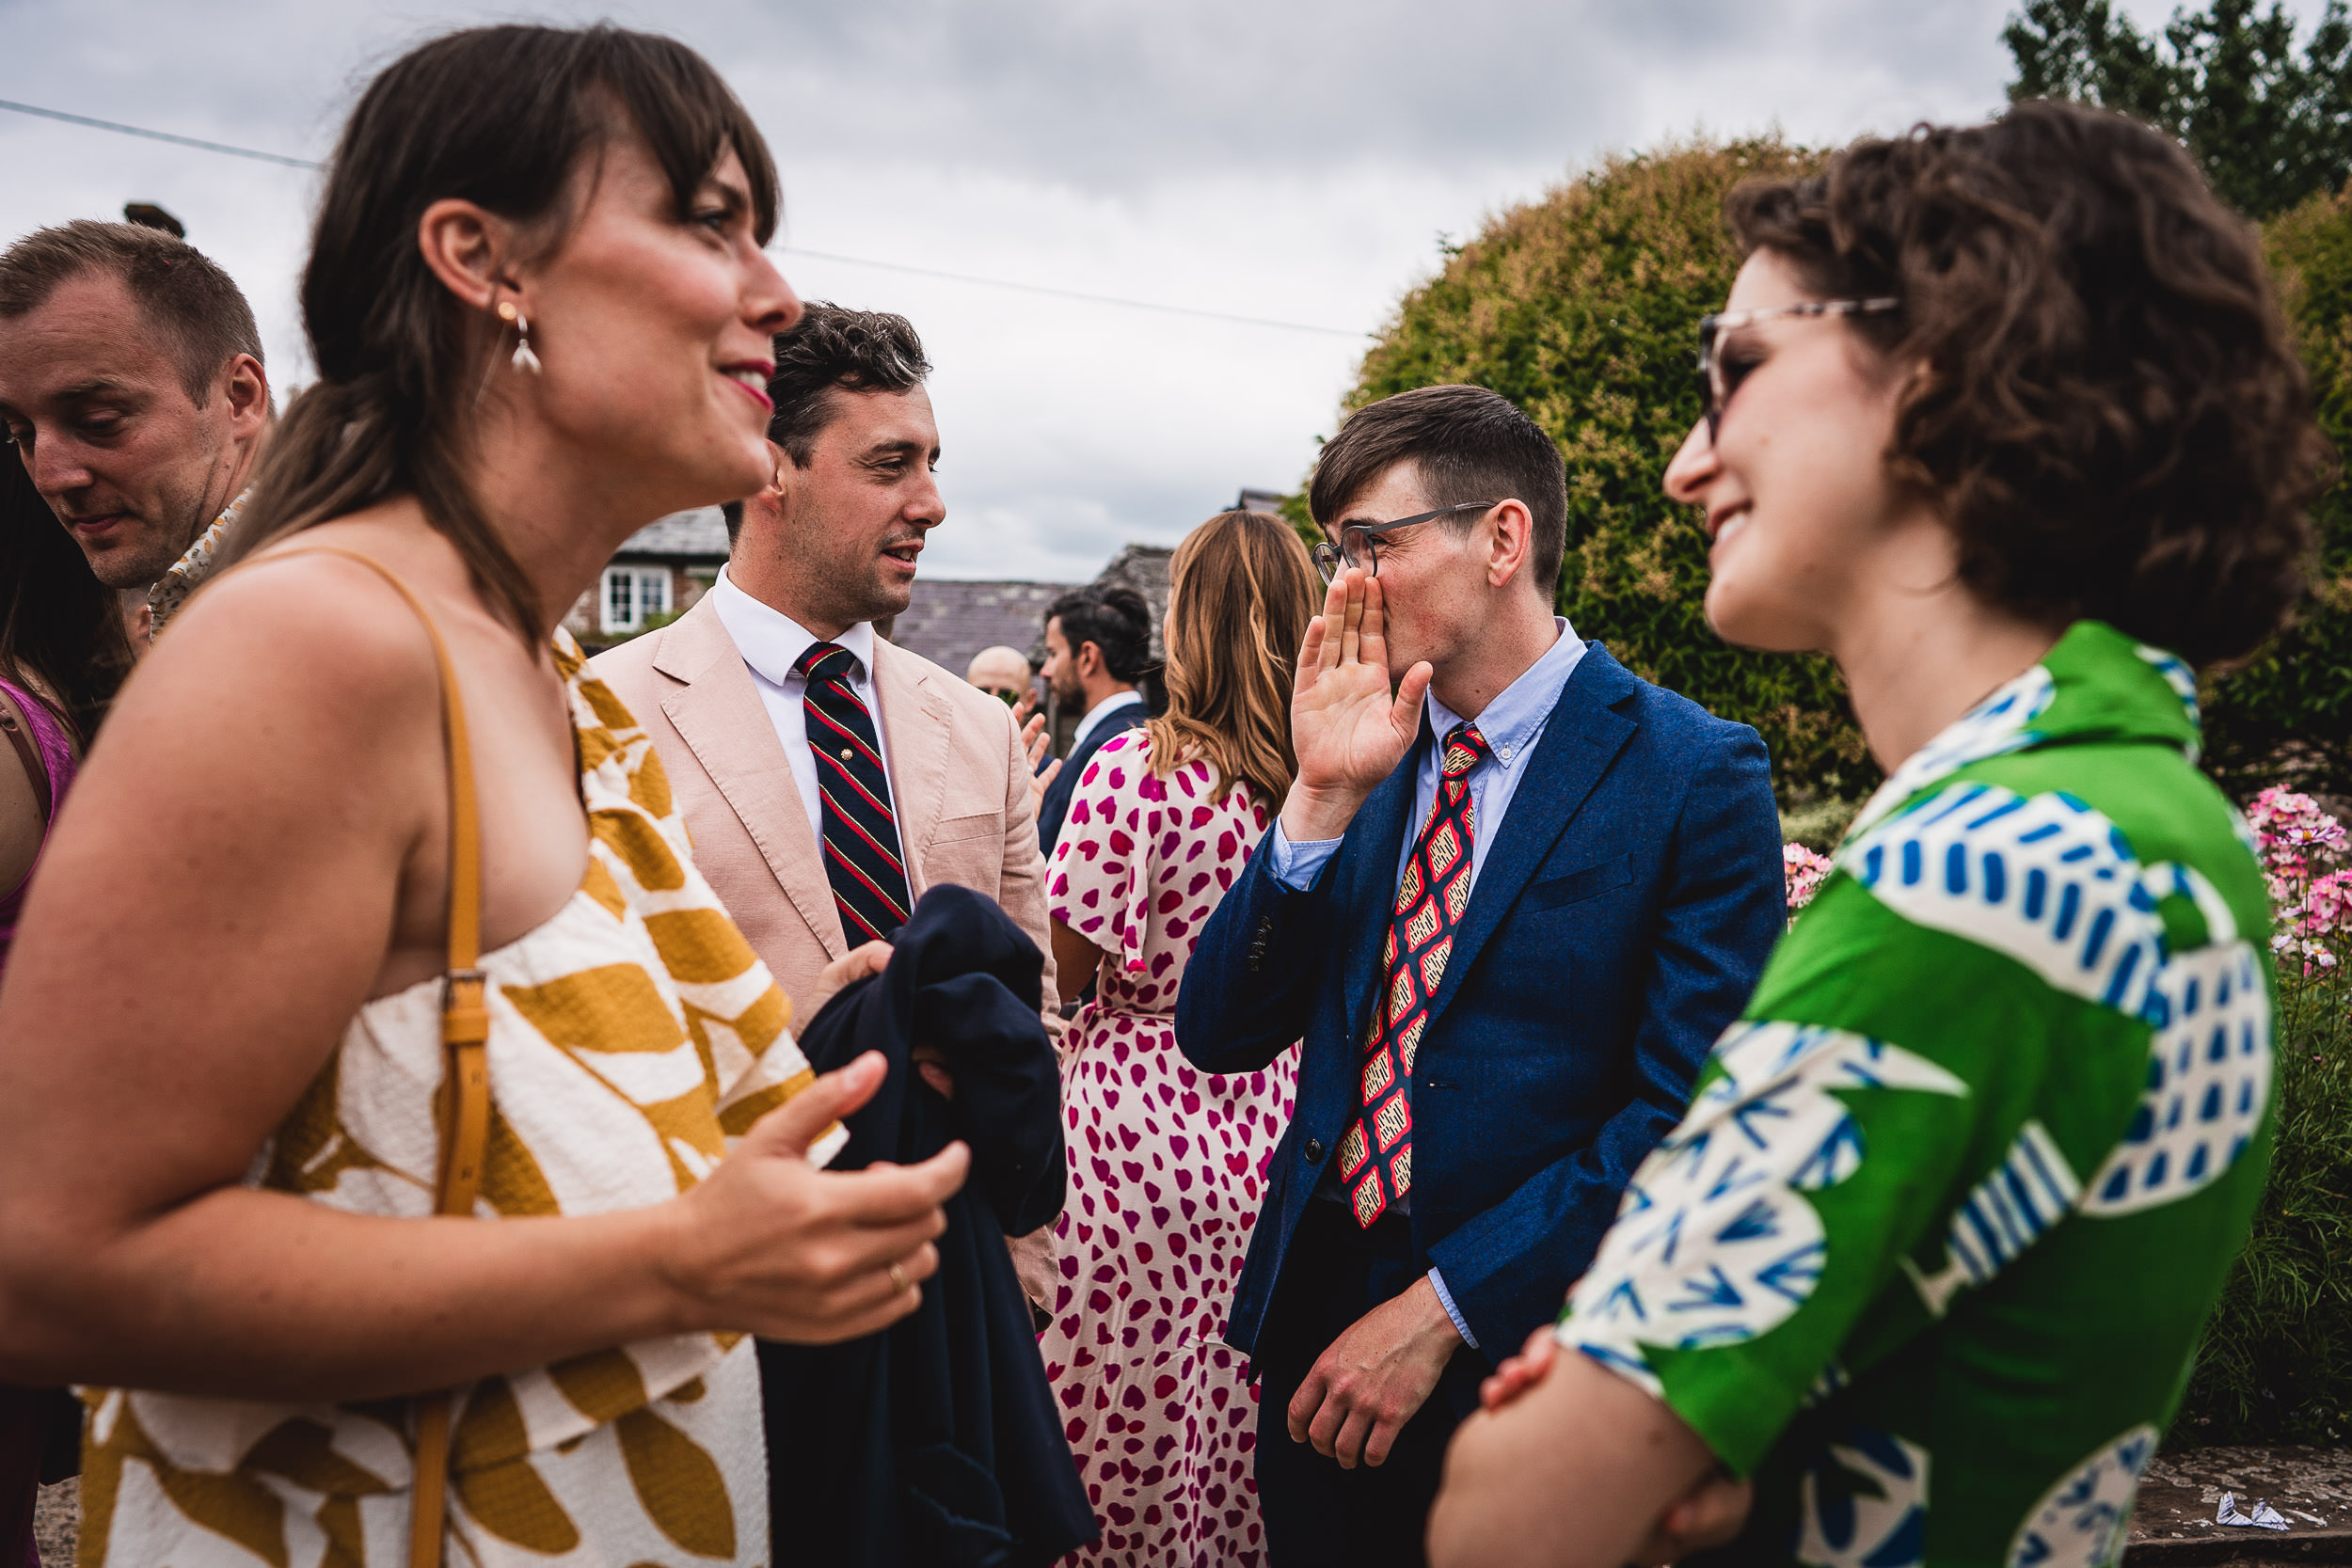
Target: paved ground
2310 1487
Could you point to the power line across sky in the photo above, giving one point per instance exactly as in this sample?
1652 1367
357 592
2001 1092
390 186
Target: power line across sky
1047 290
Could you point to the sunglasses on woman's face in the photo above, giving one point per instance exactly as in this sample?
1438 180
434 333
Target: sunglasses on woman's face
1721 374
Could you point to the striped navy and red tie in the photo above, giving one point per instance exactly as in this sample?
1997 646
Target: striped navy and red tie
862 856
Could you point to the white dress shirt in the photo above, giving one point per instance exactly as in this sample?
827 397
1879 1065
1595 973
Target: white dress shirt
771 643
1099 712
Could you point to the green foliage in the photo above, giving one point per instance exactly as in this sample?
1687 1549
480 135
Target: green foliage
2270 126
1583 310
2292 707
1818 821
2273 131
2277 1361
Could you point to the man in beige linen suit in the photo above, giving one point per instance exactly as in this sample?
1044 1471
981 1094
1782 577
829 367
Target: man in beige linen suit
725 691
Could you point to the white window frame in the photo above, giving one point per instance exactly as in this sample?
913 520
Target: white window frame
626 596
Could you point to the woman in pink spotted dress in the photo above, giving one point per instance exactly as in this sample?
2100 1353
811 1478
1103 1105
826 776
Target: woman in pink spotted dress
1166 1164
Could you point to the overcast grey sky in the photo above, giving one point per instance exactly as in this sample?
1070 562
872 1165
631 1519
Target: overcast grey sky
1291 159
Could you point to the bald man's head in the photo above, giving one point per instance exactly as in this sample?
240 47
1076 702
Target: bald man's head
1000 669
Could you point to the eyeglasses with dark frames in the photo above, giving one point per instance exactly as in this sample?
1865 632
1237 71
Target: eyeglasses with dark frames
1718 381
1359 543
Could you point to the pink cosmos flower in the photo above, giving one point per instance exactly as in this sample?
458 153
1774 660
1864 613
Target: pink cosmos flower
1802 873
2310 903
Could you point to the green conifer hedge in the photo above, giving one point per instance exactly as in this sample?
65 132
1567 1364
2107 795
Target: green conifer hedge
1582 308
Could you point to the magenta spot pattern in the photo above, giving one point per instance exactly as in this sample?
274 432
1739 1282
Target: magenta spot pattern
1167 1168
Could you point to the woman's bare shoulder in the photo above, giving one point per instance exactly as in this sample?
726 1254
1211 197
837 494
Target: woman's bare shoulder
296 654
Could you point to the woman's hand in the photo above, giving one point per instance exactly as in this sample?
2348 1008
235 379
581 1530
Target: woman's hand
1712 1513
772 1245
1521 1372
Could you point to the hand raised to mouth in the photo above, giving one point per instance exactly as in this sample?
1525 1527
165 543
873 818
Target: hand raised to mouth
1348 731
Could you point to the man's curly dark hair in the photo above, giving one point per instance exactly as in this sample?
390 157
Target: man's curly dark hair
2104 398
832 348
829 348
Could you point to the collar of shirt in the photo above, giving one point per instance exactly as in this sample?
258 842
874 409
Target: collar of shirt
170 591
771 641
1100 711
1513 721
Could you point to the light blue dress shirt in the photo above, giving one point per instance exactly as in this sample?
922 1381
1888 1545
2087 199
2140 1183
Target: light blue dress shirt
1512 723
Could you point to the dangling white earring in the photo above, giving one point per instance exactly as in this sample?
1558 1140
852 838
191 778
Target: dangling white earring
524 359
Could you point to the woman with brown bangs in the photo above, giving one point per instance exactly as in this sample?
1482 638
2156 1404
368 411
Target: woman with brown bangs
2005 419
1166 1164
395 1134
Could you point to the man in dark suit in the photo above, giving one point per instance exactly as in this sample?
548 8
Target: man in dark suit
1509 909
1098 644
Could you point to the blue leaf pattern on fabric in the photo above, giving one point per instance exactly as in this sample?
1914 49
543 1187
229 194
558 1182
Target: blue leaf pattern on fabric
2042 879
1714 1242
2079 1522
1863 1503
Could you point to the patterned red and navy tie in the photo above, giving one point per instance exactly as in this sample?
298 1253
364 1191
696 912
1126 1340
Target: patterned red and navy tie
862 856
1376 1155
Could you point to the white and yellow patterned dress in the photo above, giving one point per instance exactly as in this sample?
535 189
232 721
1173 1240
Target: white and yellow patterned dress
632 1036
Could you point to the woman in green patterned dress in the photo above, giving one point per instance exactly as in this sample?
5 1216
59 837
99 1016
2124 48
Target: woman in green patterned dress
2005 420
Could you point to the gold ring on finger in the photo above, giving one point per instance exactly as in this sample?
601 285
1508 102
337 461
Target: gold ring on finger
898 1278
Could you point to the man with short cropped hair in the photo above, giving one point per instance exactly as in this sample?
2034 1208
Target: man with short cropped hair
132 385
1509 908
1098 644
1003 673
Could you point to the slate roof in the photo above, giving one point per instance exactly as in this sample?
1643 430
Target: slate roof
697 535
1143 568
949 622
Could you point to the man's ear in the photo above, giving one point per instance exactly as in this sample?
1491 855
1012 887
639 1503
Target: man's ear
1088 659
775 496
1510 539
246 384
470 249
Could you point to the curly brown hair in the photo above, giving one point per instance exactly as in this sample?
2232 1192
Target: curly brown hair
2105 397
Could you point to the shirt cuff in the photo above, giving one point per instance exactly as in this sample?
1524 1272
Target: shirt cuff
1297 865
1445 1299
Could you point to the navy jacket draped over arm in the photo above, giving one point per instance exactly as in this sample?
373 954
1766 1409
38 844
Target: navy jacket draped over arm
936 1441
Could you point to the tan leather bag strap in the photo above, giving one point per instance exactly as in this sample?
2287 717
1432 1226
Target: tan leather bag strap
465 1111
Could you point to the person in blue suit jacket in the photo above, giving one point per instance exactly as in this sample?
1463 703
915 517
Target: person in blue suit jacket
1098 645
1509 908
